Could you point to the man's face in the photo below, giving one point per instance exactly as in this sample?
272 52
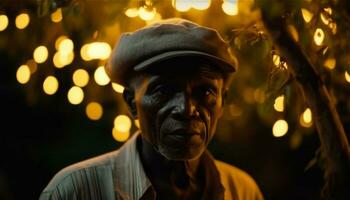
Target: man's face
178 107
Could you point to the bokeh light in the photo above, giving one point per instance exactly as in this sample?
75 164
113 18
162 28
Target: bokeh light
182 5
318 37
230 7
22 21
56 16
81 77
95 50
4 21
23 74
307 15
147 13
75 95
101 77
347 76
330 63
118 88
305 119
132 12
50 85
61 59
279 104
122 123
65 45
201 4
120 136
40 54
94 111
280 128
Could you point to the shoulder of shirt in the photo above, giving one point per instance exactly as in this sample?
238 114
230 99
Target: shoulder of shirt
101 162
238 182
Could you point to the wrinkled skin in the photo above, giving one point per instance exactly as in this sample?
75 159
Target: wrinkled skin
178 108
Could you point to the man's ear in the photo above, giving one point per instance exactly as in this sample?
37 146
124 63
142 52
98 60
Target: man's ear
129 97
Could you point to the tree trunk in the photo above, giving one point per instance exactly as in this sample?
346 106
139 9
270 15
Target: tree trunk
334 144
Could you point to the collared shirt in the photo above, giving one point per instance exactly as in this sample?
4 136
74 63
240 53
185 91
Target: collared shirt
120 175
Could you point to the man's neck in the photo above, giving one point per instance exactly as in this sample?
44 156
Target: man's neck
170 176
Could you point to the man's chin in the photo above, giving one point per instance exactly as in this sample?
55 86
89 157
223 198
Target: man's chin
181 154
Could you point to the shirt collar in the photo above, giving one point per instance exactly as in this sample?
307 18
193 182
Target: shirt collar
132 183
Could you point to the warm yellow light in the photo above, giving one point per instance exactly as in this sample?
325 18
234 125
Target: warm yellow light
122 123
132 12
118 88
155 19
325 19
230 8
293 32
56 16
279 103
32 65
80 77
201 4
319 37
40 54
330 63
75 95
328 10
280 128
305 119
137 123
347 76
147 14
23 74
120 136
101 76
22 21
94 111
66 46
61 60
182 5
4 21
333 27
276 59
307 15
50 85
95 50
59 40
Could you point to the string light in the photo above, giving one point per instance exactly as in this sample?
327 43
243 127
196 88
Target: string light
4 21
347 76
75 95
101 77
122 123
330 63
280 128
132 12
279 104
230 7
56 16
307 15
201 4
94 111
23 74
120 136
118 88
181 5
95 50
22 21
50 85
147 13
40 54
318 37
305 119
81 77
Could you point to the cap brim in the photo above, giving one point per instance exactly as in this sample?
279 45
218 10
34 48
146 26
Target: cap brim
221 63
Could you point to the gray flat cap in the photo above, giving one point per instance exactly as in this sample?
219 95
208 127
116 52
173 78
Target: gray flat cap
164 40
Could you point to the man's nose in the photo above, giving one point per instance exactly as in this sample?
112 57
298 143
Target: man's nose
184 106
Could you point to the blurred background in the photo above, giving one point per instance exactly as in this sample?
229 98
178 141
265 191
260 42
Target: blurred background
59 107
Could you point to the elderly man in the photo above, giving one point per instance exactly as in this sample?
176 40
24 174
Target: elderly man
175 74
